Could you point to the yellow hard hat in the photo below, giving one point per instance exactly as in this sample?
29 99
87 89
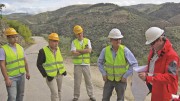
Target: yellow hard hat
10 31
53 36
77 29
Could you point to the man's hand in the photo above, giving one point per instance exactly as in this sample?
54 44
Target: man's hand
123 79
50 78
65 73
105 78
143 75
27 76
8 82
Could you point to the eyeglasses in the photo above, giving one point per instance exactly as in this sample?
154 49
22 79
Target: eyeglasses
154 42
117 39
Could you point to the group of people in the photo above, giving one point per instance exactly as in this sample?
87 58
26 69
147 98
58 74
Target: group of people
116 63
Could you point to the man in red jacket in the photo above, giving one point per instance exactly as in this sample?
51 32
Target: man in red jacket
161 78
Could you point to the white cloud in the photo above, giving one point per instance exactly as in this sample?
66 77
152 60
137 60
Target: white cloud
26 1
37 6
8 9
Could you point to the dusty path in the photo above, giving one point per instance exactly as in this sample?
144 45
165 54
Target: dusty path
37 89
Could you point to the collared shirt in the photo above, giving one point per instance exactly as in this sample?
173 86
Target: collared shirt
2 52
73 48
3 56
129 58
152 63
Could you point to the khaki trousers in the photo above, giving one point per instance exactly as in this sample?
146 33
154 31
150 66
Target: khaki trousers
55 87
78 71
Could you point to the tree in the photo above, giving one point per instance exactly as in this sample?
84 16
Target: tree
1 6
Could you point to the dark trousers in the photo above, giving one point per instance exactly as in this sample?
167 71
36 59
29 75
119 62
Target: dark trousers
109 86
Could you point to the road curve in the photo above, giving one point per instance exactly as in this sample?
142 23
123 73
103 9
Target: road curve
36 88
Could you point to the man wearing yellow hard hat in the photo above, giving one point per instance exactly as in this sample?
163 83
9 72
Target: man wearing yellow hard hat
50 65
13 66
81 49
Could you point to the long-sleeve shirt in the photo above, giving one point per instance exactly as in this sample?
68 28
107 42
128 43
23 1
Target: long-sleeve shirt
129 58
40 60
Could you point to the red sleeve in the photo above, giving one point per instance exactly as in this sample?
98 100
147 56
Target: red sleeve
169 76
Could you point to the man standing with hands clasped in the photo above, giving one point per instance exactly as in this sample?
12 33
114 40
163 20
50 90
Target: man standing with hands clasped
115 63
50 64
13 66
162 77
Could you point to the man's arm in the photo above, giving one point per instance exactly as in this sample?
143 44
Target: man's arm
165 78
27 69
40 60
84 51
76 52
100 63
4 73
131 60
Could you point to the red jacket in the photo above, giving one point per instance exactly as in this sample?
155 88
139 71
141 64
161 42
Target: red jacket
164 82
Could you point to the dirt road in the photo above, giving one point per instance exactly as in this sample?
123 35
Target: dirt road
36 88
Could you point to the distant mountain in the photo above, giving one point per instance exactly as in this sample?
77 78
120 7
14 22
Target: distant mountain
97 20
17 15
164 11
145 8
167 11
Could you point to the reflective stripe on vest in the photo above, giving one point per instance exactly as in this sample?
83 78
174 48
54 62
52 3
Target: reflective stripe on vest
14 61
84 58
53 64
115 68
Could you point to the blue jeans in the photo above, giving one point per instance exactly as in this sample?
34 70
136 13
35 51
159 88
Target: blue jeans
16 90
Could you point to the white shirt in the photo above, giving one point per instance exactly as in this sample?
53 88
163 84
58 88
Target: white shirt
73 48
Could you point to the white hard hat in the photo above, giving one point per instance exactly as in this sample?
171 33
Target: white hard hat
152 34
115 34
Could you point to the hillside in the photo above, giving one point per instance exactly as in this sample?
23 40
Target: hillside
97 20
167 11
145 8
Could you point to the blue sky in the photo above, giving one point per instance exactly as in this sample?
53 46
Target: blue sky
38 6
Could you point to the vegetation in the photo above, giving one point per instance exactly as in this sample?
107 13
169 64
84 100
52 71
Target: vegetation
22 29
97 20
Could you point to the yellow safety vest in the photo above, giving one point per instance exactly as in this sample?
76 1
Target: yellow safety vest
115 68
15 64
84 58
53 64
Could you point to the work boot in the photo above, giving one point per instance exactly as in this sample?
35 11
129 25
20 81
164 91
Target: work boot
92 99
75 99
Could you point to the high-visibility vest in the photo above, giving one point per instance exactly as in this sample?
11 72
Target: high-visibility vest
15 64
115 68
53 64
84 58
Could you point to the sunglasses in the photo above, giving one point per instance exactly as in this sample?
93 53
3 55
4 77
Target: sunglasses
117 39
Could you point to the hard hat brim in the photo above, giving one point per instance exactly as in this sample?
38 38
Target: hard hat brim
149 42
11 34
115 37
54 39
